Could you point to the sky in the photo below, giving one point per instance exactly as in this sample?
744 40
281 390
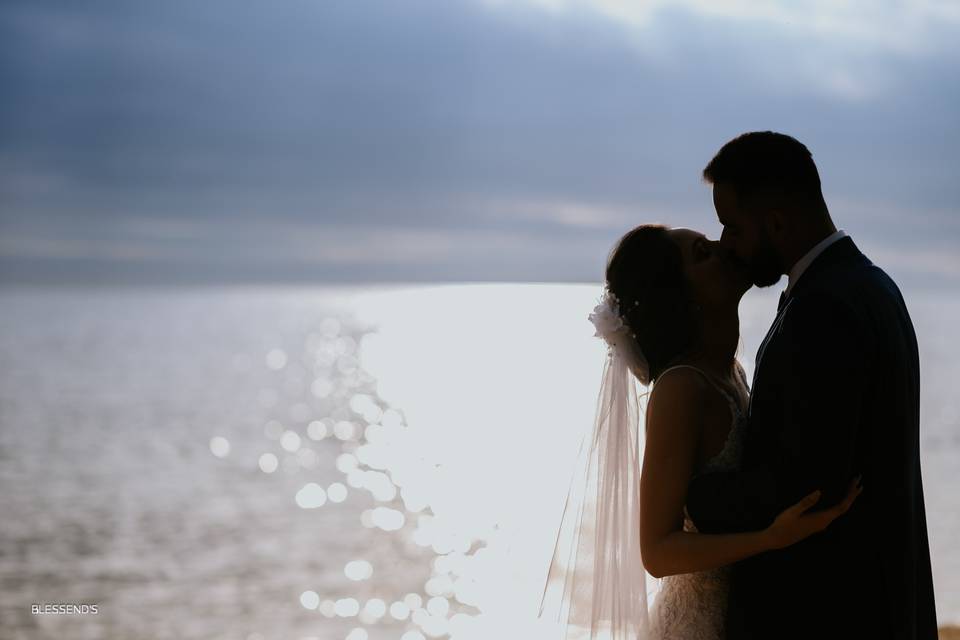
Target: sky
452 140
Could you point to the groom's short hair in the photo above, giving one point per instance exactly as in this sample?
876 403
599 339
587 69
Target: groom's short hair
767 163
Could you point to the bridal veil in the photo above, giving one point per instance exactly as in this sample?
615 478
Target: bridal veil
596 581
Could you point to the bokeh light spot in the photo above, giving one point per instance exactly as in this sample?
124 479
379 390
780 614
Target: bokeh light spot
290 441
358 570
317 430
347 607
219 446
268 463
337 492
276 359
311 496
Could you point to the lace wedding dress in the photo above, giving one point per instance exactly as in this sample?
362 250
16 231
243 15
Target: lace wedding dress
692 606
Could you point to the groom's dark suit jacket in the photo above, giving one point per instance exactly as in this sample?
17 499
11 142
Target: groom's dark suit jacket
835 394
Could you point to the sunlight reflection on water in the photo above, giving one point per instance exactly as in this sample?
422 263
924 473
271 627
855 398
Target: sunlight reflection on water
491 381
355 463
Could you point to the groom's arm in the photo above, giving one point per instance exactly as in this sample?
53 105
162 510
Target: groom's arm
828 362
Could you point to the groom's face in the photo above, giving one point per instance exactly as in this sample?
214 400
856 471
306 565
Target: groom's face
746 238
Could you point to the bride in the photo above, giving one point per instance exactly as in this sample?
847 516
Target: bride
669 316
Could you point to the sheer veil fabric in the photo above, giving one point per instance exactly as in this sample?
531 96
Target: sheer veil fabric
596 581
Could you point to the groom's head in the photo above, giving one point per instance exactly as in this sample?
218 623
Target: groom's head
766 191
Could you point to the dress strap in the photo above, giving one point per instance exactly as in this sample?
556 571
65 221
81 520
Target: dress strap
734 405
743 375
684 366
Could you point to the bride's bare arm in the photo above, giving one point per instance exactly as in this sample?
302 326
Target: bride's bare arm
673 426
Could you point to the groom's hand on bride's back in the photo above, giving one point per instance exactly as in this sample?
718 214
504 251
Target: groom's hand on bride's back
799 521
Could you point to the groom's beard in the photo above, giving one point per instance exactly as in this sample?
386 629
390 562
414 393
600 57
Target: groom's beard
764 267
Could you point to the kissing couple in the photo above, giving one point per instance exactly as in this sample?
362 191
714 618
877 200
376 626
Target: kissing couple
788 507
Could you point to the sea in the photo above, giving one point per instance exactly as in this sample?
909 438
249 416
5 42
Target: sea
327 462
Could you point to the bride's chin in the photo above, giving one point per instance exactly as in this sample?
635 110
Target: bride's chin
737 286
738 281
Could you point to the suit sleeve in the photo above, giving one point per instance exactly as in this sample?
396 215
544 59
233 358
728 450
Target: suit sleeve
826 372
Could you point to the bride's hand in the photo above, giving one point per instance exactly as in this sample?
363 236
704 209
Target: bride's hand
794 524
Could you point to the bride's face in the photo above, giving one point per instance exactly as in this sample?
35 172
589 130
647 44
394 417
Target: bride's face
716 279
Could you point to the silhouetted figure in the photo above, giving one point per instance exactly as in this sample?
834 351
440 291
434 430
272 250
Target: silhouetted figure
835 393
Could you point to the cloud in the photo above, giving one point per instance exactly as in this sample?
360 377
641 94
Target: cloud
914 27
430 139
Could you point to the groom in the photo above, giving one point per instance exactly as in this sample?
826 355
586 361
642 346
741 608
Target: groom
835 394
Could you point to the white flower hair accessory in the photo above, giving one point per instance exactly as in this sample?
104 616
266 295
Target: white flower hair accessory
609 325
607 320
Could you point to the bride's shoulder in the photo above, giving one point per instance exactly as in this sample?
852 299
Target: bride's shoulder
681 383
677 403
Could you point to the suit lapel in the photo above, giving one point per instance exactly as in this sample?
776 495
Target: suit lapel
782 307
840 251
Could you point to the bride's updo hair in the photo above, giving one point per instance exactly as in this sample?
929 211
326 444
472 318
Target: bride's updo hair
646 267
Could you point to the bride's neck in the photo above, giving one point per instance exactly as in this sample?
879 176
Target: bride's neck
719 337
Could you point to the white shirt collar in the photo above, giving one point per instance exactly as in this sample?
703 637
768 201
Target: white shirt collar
801 265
